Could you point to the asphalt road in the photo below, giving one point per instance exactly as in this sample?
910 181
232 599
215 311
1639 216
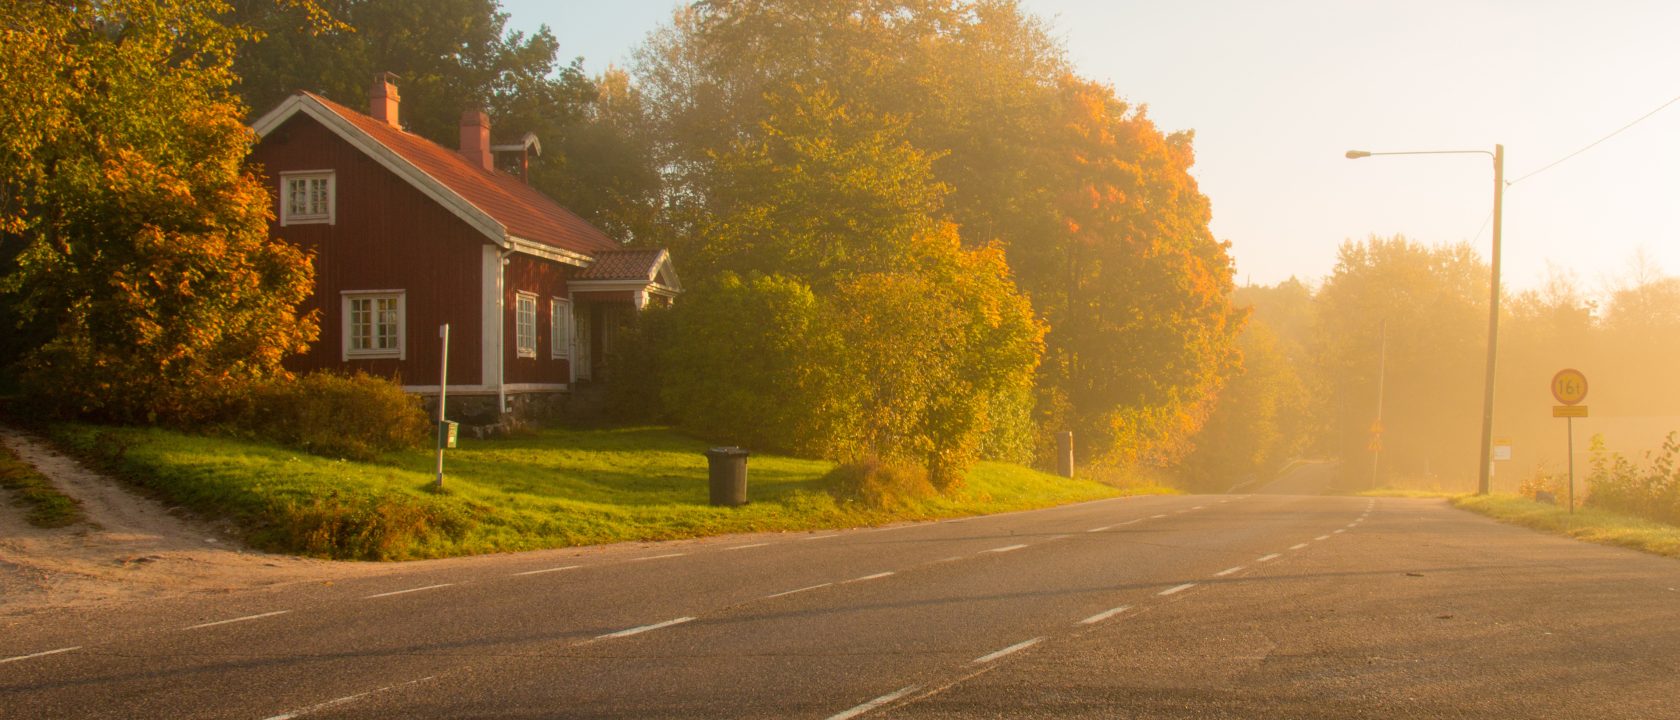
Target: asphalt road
1195 607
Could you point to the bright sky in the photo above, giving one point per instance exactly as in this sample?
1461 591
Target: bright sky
1277 91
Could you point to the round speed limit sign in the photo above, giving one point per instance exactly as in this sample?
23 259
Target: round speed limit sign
1569 386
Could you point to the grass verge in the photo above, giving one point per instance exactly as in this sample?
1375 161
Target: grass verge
1591 525
552 488
45 506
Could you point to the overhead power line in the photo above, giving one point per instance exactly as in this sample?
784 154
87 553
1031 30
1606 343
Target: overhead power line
1594 143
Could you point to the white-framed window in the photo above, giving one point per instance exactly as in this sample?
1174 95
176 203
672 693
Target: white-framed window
373 323
559 327
525 325
307 197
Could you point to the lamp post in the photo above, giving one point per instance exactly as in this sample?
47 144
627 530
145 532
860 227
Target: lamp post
1498 156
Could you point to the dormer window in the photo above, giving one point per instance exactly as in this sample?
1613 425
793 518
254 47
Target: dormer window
307 198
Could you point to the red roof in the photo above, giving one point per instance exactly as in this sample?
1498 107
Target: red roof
525 212
636 265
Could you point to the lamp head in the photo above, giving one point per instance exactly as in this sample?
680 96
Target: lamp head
1356 154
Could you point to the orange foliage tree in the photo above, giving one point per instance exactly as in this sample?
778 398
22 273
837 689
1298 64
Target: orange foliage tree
142 283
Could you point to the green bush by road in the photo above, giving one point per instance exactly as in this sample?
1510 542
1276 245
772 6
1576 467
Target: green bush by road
1589 524
552 488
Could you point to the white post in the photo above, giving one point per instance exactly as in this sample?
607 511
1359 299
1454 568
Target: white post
443 395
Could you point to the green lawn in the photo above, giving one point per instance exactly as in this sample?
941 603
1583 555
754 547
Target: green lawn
552 488
1589 524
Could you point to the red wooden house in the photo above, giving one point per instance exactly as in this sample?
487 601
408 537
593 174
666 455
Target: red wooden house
409 235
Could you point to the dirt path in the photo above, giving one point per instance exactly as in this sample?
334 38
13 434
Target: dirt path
130 549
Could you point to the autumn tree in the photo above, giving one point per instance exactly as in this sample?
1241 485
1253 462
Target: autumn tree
1431 302
142 279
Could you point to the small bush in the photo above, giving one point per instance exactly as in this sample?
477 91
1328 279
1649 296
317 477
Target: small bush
879 485
1541 487
1618 484
355 417
349 527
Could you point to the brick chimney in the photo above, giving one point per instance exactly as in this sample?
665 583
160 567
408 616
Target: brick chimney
383 99
475 139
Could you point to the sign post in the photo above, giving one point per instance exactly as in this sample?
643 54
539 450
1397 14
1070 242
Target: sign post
1569 386
445 433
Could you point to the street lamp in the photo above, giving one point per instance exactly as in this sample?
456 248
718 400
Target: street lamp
1498 156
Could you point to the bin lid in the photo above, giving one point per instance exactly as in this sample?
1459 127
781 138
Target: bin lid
728 451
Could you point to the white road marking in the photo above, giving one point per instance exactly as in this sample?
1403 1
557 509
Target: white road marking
39 654
834 535
1017 647
1157 517
1128 522
1104 615
876 576
1265 558
743 547
1322 537
1297 547
643 629
345 699
547 570
658 557
1351 524
953 558
237 619
1227 571
400 592
1198 507
1004 549
1339 531
1105 527
800 590
1178 589
872 704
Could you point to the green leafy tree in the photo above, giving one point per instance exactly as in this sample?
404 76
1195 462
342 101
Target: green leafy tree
143 282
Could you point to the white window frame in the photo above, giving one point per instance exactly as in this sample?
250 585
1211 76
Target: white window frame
287 217
525 333
559 328
347 298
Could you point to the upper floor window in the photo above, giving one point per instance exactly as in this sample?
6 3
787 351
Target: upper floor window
306 197
373 324
526 326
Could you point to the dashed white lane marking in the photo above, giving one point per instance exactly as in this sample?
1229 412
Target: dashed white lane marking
1105 527
876 576
547 570
953 558
1339 531
237 619
402 592
345 699
1128 522
1017 647
642 629
1004 549
1297 547
1264 558
1322 537
1228 571
1156 517
743 547
800 590
835 535
1352 524
39 654
872 704
1177 589
658 557
1198 507
1104 615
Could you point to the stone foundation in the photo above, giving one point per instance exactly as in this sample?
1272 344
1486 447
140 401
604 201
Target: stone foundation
479 416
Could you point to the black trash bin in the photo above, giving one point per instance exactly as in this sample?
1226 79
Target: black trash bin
728 467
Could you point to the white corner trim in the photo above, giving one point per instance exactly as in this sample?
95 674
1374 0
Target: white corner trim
404 169
490 316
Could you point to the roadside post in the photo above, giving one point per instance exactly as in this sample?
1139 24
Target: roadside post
1064 453
1569 386
445 429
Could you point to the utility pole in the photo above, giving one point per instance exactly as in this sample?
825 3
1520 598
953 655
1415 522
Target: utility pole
1382 379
